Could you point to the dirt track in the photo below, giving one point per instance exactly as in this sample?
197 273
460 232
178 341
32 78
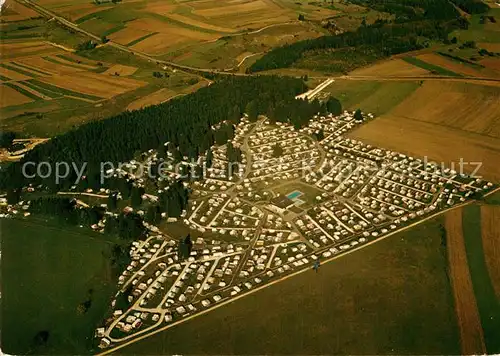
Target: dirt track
469 322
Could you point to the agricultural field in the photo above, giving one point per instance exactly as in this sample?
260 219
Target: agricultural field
475 230
212 34
469 321
45 280
47 88
490 232
238 52
378 97
13 11
390 68
364 303
438 130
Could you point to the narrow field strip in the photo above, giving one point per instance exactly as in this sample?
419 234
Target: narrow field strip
63 91
50 93
460 60
23 91
18 70
430 67
490 233
36 70
33 91
68 61
469 322
141 39
182 24
90 16
487 302
113 30
3 78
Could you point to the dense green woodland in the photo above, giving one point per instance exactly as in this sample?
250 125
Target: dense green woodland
189 122
415 23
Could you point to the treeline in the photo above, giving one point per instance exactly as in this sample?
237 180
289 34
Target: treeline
127 226
471 6
187 122
416 22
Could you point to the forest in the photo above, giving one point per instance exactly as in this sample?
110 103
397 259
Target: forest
189 123
415 23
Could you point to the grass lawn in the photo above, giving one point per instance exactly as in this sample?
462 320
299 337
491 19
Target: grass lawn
47 271
487 302
371 96
493 199
393 297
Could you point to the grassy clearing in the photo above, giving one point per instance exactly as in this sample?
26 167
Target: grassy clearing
489 33
430 67
493 199
488 305
62 91
377 97
47 271
384 299
387 96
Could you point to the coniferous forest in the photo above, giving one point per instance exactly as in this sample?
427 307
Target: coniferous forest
189 123
415 22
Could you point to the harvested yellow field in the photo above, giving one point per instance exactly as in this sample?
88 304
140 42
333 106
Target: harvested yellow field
160 7
204 25
104 86
155 98
490 230
492 63
70 63
17 12
169 35
464 106
12 74
80 61
128 34
232 9
391 68
160 43
493 47
47 66
11 97
122 70
438 143
74 12
456 67
469 322
28 69
14 50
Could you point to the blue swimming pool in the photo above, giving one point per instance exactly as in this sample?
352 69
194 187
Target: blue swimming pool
294 194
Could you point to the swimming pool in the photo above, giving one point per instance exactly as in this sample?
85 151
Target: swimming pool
294 194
